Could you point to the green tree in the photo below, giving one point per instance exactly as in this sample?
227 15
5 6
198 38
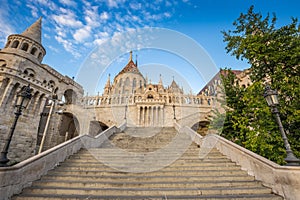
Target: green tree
274 56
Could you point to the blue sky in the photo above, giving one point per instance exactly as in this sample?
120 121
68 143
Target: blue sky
73 29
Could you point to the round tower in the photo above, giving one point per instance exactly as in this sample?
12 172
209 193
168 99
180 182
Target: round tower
27 44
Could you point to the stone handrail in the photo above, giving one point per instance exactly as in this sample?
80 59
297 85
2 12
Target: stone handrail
13 179
283 180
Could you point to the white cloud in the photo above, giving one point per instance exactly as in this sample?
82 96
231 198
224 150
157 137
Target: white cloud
34 10
6 29
67 19
82 34
135 6
104 16
68 46
92 16
114 3
68 2
53 49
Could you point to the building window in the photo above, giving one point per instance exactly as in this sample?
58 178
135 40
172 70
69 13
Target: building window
15 44
25 47
33 50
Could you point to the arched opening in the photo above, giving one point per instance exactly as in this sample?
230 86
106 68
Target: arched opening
24 47
70 96
201 127
69 126
15 44
150 96
97 127
40 56
33 51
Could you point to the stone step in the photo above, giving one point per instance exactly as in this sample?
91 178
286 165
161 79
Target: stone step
145 191
147 184
136 177
64 167
154 173
83 176
158 197
179 163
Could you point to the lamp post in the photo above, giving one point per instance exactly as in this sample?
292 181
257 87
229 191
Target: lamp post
23 99
271 97
174 111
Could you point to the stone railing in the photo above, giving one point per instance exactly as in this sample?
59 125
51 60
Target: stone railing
13 179
283 180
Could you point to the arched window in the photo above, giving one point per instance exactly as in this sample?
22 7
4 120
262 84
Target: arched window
33 50
150 96
15 44
2 63
120 82
134 83
127 82
40 56
25 47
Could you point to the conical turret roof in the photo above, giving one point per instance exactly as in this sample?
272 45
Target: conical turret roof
34 31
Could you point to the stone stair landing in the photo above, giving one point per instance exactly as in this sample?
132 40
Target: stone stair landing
104 173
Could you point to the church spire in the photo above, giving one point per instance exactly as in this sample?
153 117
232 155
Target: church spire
130 58
160 80
34 31
107 86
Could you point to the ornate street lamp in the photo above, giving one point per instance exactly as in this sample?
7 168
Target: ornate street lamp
23 99
174 111
271 97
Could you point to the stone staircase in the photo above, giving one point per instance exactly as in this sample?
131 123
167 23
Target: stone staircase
147 163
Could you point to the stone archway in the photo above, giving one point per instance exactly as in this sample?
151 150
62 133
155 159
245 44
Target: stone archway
70 96
69 126
96 127
201 127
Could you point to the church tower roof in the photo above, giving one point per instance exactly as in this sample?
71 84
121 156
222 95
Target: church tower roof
34 31
174 84
130 67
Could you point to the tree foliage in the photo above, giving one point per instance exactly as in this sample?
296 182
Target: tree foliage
274 55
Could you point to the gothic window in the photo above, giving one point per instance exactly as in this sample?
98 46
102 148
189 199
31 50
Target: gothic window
15 44
120 82
33 50
25 47
134 83
127 82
